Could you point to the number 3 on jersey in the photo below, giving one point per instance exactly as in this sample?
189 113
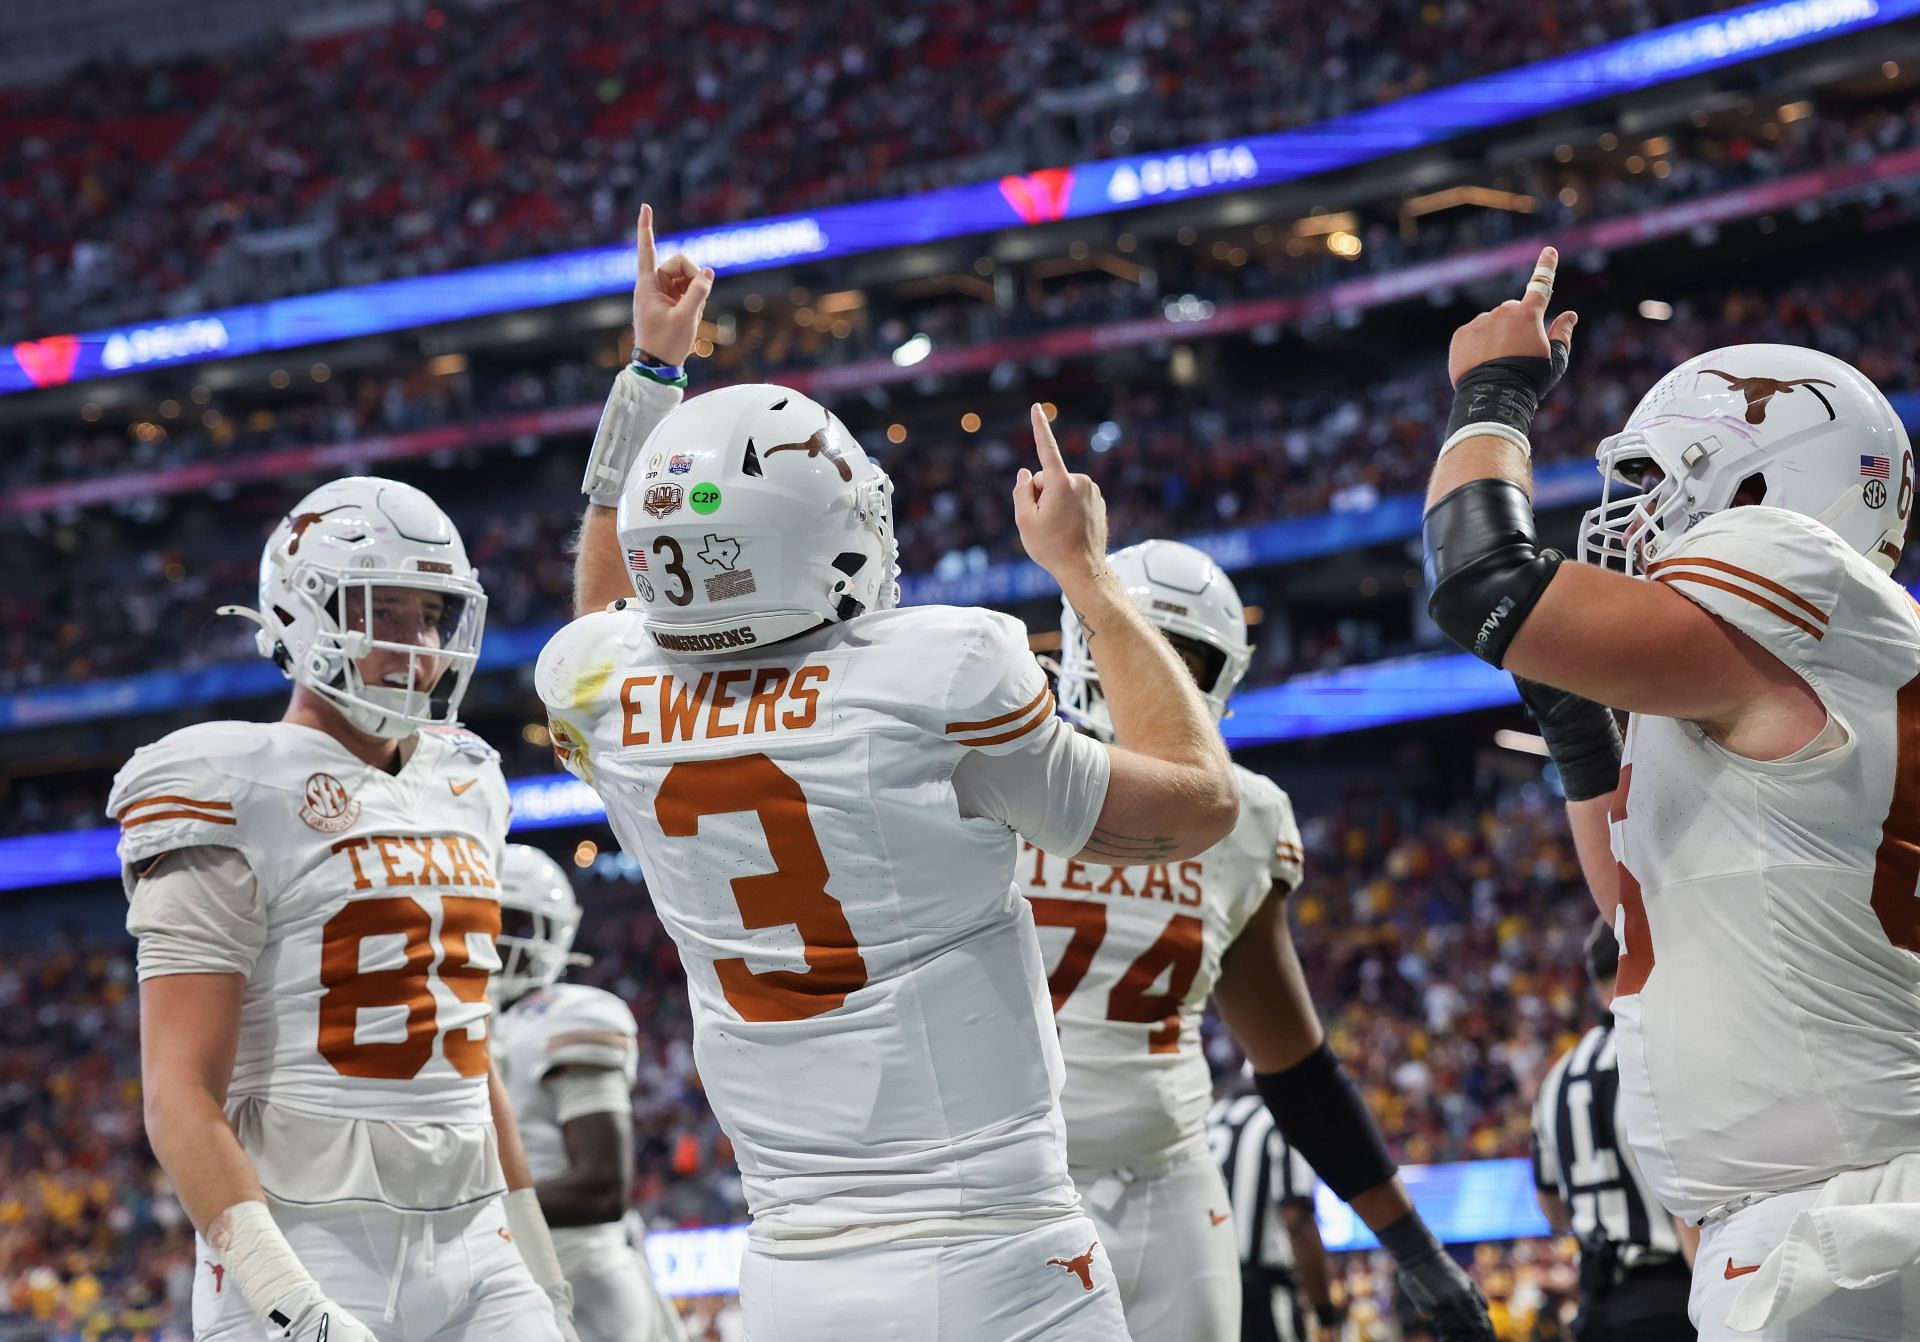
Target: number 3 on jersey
1175 953
793 894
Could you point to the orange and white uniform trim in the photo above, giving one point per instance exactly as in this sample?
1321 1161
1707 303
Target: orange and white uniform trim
378 903
1769 1008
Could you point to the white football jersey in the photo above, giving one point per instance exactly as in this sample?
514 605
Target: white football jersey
1135 953
869 1006
565 1024
370 998
1769 991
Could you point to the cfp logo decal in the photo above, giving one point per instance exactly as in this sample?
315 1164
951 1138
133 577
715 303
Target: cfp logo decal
329 808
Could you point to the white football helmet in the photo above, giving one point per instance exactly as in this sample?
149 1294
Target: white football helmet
539 916
1182 593
1796 428
752 515
348 575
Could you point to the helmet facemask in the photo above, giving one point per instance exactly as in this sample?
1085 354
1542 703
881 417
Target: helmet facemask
1184 595
420 630
536 947
1623 529
1784 426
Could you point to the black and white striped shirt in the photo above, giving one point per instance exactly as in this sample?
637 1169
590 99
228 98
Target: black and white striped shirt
1261 1171
1578 1154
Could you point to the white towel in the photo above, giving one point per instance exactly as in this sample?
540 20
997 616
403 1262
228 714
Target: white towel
1863 1229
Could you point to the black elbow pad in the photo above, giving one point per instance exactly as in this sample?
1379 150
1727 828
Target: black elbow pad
1484 569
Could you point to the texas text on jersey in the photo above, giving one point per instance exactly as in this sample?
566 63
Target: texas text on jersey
367 1001
1135 953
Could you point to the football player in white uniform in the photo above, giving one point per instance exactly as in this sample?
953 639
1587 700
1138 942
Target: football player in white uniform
569 1055
1136 953
1758 843
315 901
827 794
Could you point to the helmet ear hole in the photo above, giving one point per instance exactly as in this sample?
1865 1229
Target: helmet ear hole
848 562
1754 486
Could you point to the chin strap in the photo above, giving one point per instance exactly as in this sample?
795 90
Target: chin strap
1885 554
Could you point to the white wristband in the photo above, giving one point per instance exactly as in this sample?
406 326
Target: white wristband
262 1264
528 1226
1488 429
635 407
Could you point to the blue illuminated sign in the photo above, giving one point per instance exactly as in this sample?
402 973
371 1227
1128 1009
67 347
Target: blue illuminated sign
1465 1202
1051 194
1324 704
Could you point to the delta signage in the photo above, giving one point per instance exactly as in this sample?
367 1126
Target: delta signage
1020 200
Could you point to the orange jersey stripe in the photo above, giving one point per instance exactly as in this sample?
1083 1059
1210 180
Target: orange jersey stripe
1003 719
1040 719
170 797
1768 583
179 815
1706 580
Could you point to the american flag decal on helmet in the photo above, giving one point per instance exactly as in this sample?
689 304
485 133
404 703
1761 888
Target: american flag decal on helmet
636 561
1876 468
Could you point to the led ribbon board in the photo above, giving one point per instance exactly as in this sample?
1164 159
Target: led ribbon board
1465 1202
1087 189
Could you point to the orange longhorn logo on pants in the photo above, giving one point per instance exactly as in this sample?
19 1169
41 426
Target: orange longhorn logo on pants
1081 1266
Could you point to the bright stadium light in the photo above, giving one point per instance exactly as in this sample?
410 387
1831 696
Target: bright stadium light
1654 310
1524 742
912 350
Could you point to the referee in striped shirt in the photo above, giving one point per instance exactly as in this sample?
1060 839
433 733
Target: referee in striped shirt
1282 1258
1635 1260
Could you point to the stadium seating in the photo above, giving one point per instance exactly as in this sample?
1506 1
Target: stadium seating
1180 461
518 129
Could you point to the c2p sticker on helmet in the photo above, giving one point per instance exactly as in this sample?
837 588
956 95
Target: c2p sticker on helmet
704 498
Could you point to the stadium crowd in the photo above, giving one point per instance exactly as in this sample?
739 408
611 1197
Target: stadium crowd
1170 461
1442 947
765 342
470 134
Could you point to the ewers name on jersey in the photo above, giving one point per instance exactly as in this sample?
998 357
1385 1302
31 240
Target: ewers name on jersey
1769 992
1135 954
870 1014
381 904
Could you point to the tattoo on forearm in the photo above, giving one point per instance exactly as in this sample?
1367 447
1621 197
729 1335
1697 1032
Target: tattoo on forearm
1130 848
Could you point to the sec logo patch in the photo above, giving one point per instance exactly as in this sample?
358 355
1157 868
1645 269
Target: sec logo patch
329 808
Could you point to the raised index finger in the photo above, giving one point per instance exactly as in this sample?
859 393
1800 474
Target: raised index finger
1540 285
1051 462
643 243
